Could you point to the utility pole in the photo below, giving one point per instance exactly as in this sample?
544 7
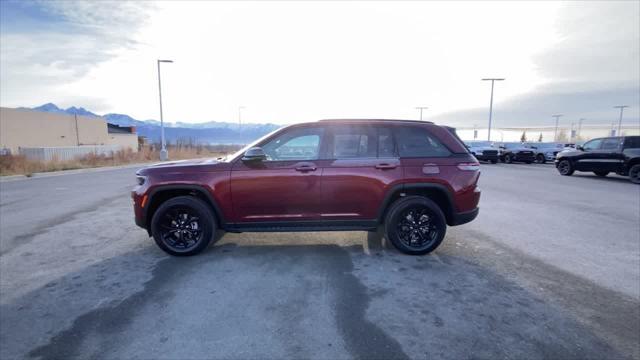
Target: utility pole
421 108
163 151
579 127
555 134
493 80
621 107
240 117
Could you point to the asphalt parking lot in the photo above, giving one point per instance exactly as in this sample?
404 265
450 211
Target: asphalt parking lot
550 269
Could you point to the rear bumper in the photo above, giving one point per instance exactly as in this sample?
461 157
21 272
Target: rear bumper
464 217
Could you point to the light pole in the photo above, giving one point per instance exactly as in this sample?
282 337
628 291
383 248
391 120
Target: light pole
163 151
240 117
493 80
421 108
579 127
621 107
555 134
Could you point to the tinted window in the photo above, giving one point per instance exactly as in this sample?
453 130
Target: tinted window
610 144
296 144
361 141
417 142
592 145
632 142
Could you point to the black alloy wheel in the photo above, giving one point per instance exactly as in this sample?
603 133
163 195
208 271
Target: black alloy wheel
508 158
565 168
540 159
183 226
415 225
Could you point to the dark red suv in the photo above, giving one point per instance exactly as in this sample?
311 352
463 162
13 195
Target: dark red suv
413 177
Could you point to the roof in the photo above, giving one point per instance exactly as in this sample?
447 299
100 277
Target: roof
377 120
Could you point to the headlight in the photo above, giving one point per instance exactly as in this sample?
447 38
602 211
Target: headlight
140 179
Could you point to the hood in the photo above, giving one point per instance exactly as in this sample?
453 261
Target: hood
175 165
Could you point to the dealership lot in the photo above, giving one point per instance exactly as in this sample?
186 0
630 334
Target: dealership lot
550 269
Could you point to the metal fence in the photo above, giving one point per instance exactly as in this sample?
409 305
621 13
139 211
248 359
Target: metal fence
67 153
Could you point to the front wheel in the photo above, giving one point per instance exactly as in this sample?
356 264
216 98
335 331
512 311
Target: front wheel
634 174
415 225
601 173
508 158
183 226
565 168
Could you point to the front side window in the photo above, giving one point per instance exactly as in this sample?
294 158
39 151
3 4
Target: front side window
610 144
592 145
296 144
418 142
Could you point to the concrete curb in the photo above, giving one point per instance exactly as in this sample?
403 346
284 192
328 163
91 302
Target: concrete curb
10 178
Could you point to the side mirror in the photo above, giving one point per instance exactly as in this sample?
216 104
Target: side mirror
254 154
579 147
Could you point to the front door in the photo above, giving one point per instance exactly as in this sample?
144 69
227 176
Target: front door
590 158
285 186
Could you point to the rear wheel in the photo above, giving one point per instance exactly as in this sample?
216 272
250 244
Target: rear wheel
634 174
601 173
565 168
540 159
415 225
508 158
183 226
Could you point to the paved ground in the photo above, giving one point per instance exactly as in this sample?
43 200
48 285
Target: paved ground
550 269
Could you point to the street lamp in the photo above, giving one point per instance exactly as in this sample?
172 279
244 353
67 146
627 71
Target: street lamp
493 80
555 134
240 117
421 108
621 107
163 151
579 127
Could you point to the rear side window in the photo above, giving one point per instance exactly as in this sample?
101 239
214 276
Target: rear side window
418 142
632 142
361 141
610 144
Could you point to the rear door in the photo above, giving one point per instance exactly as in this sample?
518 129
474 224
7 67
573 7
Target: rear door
362 166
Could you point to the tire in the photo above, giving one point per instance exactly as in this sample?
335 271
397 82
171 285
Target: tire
528 162
565 168
508 158
494 161
634 174
540 159
601 173
183 226
402 231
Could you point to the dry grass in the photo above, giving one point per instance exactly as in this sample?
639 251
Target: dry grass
19 165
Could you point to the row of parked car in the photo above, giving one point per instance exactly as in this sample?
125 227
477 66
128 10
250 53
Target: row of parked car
510 152
602 156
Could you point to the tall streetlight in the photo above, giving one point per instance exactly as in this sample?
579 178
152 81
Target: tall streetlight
621 107
555 134
579 127
493 80
240 117
163 151
421 108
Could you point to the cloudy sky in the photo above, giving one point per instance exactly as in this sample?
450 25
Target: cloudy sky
295 61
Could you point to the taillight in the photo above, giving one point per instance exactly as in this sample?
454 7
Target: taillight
469 166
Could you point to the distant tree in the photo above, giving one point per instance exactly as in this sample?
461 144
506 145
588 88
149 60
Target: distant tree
523 138
540 138
562 136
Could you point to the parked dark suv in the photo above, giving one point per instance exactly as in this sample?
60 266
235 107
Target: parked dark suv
620 155
413 177
516 152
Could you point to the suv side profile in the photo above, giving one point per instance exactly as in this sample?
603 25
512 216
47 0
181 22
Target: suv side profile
516 152
413 177
618 154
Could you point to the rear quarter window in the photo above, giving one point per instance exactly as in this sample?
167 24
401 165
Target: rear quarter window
632 142
418 142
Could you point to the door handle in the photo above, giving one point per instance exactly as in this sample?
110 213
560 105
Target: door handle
384 166
306 168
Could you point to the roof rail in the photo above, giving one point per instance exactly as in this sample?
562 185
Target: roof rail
367 120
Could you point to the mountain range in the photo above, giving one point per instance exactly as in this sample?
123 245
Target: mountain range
212 132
